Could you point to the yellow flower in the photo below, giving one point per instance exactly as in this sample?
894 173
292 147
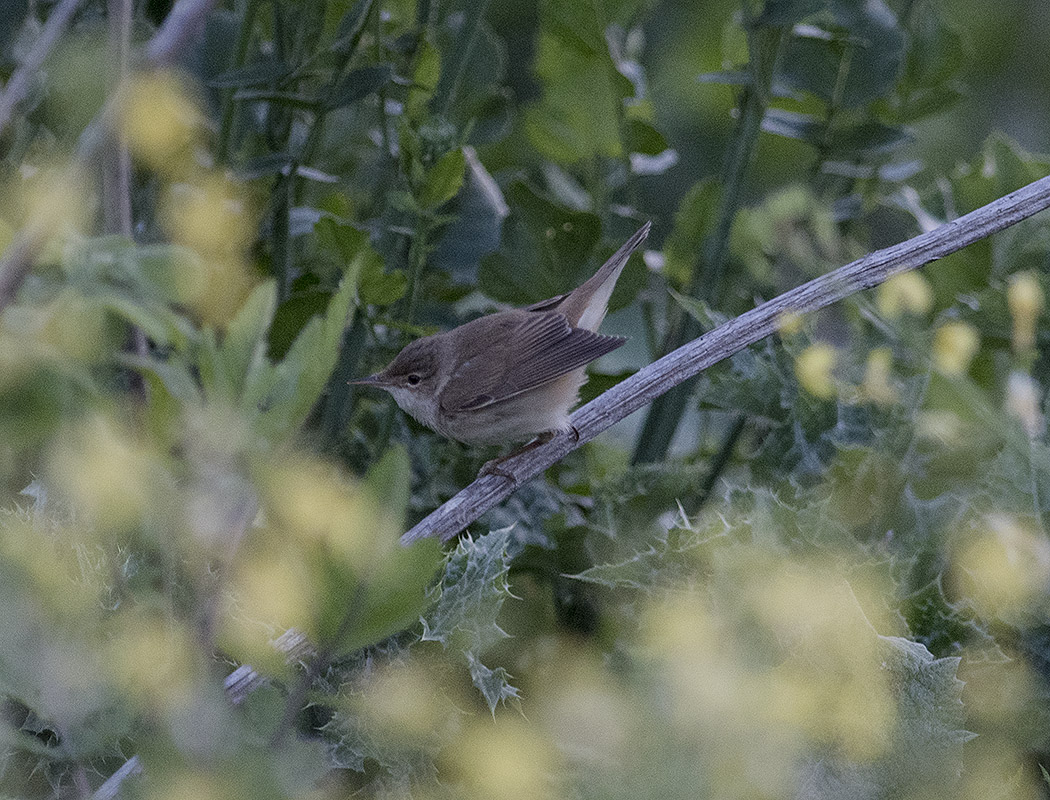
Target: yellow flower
878 386
159 121
1025 298
954 346
813 368
789 323
908 292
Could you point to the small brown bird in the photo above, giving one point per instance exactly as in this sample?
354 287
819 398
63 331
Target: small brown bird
511 375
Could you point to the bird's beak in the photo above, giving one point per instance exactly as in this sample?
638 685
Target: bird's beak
371 380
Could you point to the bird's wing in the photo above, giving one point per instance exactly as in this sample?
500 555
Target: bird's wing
545 346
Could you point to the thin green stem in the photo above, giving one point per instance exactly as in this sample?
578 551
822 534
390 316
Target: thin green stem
229 105
718 464
282 253
417 259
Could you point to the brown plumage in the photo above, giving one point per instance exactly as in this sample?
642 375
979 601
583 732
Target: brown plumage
510 375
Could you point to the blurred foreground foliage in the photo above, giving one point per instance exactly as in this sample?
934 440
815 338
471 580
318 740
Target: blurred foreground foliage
835 586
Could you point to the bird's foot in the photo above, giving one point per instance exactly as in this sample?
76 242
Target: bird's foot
493 467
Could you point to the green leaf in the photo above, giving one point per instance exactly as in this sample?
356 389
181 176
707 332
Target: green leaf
424 80
668 562
468 600
787 12
345 241
173 375
279 98
380 288
282 394
927 746
546 250
876 50
394 582
697 309
244 344
443 181
259 72
291 316
494 684
12 13
644 138
216 382
867 139
358 84
736 77
160 324
577 117
351 27
472 65
470 594
693 221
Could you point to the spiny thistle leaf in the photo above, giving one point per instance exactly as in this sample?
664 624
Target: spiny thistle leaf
468 602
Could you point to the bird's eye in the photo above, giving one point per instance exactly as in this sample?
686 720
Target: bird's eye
413 379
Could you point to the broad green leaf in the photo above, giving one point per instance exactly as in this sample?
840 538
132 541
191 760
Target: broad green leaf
216 381
346 241
172 374
443 181
875 50
291 316
578 114
477 228
811 64
385 588
158 321
867 139
472 65
546 250
424 80
644 138
379 288
284 393
246 336
788 12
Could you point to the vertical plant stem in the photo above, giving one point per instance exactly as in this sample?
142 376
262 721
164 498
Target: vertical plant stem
116 176
116 170
718 465
282 252
666 412
417 259
229 105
